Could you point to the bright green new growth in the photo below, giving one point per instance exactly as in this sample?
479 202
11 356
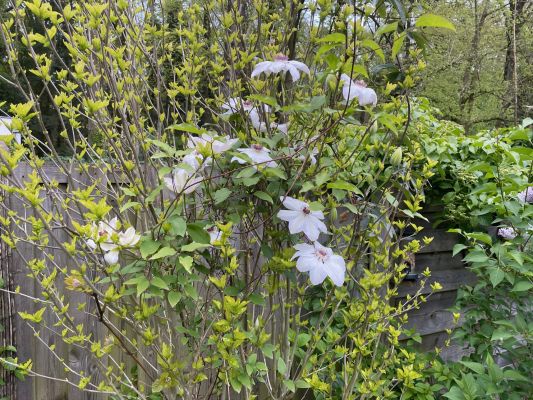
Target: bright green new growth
231 316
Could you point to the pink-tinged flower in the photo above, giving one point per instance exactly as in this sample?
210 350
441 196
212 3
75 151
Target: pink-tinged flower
107 238
320 262
258 154
301 218
526 195
281 64
181 181
207 141
507 233
357 89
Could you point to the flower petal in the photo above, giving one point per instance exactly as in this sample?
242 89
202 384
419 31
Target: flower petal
293 204
336 269
288 215
111 257
317 275
310 229
294 73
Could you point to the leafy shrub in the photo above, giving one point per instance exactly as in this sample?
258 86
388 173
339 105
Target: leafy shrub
485 179
202 141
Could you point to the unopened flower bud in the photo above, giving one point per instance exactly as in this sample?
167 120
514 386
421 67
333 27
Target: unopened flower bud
396 157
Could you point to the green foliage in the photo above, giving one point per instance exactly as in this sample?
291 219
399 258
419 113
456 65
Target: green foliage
481 177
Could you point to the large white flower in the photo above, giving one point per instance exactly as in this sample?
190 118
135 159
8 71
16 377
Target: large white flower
357 89
301 218
194 159
320 262
181 181
207 141
258 154
104 236
526 195
281 64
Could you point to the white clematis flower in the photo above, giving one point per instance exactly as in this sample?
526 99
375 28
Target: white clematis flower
258 154
207 141
320 262
102 238
181 181
301 218
281 64
357 89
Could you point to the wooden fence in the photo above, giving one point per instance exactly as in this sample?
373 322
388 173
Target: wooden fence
431 320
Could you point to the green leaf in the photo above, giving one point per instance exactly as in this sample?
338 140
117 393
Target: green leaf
264 196
393 26
268 350
458 248
257 299
191 247
282 367
301 384
522 286
198 233
434 21
370 44
271 101
164 252
185 127
148 247
482 237
397 45
186 262
142 286
474 366
333 38
343 185
221 195
496 276
174 298
290 385
513 375
501 334
159 283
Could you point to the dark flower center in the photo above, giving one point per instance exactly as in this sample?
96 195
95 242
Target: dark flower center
306 211
257 147
281 57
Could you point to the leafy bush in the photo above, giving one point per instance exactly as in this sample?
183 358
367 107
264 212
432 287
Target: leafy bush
194 142
485 179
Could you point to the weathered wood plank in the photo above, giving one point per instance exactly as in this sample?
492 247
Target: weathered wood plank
449 279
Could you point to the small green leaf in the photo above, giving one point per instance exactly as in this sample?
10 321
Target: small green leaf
164 252
174 298
333 38
282 367
221 195
191 247
186 262
142 286
264 196
148 246
496 276
159 283
522 286
434 21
